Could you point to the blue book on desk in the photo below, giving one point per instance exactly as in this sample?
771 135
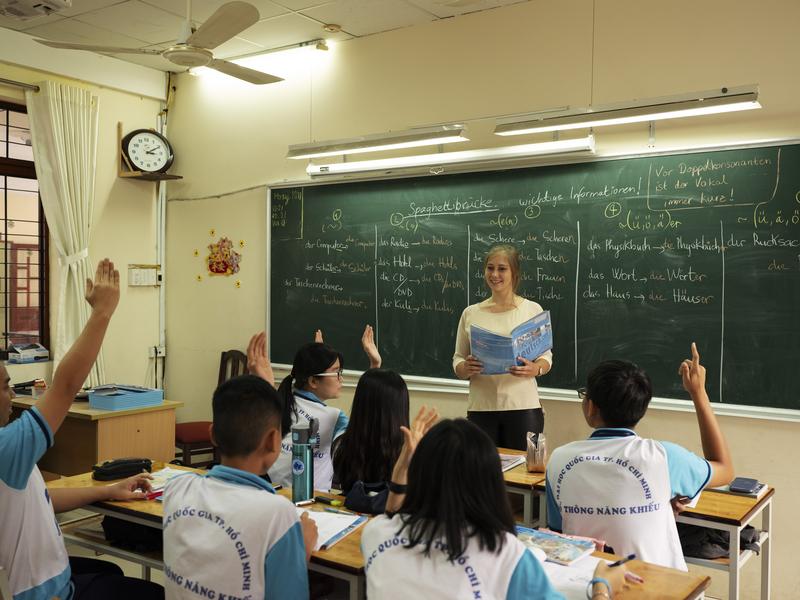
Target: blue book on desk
124 397
499 353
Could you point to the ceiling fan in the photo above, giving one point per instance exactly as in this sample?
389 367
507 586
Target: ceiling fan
193 48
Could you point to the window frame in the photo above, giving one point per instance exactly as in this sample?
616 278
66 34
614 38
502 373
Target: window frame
24 169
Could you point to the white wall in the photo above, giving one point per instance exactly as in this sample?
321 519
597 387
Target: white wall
526 57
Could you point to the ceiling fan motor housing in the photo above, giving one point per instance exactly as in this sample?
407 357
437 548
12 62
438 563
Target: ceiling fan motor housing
188 56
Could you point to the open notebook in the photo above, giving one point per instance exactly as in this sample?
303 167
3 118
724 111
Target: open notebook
332 526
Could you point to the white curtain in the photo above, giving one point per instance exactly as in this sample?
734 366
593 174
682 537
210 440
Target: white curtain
63 122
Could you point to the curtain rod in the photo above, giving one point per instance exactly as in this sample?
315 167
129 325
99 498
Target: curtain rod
13 83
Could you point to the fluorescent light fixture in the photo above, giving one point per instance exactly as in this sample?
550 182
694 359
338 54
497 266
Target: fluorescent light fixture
413 138
485 155
719 101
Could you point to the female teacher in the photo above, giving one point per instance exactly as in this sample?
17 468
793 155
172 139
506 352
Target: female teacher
504 406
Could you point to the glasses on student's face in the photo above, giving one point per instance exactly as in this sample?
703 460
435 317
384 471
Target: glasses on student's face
337 373
581 393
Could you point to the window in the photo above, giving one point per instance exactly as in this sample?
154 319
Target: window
23 236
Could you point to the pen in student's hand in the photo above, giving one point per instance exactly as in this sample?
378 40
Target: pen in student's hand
338 511
326 500
622 561
304 502
277 486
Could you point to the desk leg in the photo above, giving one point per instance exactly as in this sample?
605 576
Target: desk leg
542 510
766 565
357 591
527 508
734 568
145 572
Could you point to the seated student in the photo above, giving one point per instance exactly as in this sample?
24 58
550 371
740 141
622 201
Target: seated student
227 532
616 486
369 448
316 377
31 547
453 535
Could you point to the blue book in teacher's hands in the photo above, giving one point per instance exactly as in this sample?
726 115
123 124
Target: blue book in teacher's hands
499 353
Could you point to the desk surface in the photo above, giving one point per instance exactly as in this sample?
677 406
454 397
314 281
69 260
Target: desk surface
519 475
660 582
81 410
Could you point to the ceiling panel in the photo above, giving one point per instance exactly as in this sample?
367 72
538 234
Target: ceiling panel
451 8
20 25
72 30
202 9
237 47
83 6
365 17
301 4
138 20
286 30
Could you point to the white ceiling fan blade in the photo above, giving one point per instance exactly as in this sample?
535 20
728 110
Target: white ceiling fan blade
230 19
250 75
90 48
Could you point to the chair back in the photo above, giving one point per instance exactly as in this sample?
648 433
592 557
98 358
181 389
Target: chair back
231 364
5 586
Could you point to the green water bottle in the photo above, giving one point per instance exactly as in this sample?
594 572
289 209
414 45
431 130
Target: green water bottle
304 440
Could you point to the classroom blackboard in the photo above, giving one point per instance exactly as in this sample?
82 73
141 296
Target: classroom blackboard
634 257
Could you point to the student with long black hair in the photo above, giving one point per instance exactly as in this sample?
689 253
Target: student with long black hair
453 534
368 449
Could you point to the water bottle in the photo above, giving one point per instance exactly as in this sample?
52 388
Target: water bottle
304 439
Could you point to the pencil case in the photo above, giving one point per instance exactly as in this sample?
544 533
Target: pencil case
120 468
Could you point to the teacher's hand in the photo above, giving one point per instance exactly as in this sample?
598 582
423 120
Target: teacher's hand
471 366
528 368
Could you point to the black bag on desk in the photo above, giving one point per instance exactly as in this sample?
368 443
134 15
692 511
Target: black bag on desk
120 468
367 497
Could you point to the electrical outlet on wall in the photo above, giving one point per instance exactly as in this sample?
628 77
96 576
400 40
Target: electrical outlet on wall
156 351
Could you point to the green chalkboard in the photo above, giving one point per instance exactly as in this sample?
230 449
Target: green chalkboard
635 258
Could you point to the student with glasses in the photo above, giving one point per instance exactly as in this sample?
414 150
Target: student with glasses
316 377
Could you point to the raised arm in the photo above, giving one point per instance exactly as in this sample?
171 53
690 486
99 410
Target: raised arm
715 448
258 362
425 419
103 296
370 349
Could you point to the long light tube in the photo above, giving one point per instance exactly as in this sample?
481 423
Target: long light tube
633 114
484 155
413 138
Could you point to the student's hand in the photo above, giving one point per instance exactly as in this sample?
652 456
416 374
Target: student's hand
258 360
471 366
620 579
425 419
679 504
318 336
102 294
693 374
132 488
310 533
370 349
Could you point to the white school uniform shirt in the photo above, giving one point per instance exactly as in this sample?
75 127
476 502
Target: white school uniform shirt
227 535
617 487
31 547
332 423
394 571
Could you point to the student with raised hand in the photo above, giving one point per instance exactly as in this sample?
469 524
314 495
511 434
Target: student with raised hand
219 527
618 487
31 547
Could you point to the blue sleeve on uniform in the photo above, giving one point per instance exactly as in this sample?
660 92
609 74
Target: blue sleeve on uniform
688 473
530 581
553 512
341 424
285 569
22 444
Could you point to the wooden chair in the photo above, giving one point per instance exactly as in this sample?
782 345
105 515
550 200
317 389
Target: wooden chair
192 438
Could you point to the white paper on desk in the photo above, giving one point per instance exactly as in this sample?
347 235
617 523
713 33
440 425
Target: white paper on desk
572 581
329 525
162 476
509 461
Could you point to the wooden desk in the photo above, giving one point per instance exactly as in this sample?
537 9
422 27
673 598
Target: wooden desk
345 560
89 436
519 481
729 513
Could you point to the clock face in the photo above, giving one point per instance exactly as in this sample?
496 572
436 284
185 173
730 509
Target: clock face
147 151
